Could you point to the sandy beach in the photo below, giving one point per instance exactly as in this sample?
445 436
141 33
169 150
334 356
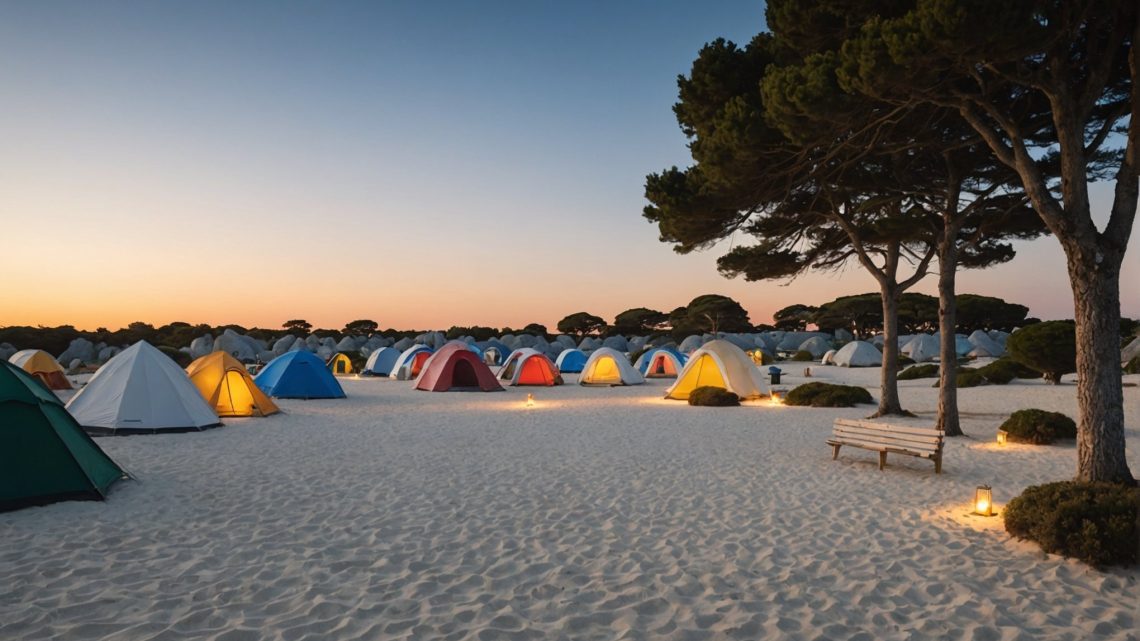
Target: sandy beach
598 514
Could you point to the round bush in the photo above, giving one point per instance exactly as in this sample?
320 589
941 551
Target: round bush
1098 523
709 396
971 378
828 395
929 370
1049 348
803 356
1038 427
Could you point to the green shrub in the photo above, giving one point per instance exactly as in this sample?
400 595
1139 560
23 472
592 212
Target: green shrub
709 396
828 395
971 378
905 360
929 370
803 356
1049 348
1133 366
1004 370
1098 523
1038 427
182 358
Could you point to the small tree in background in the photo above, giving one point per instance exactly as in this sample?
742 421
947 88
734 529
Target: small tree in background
709 313
794 318
1049 348
581 324
640 321
298 326
361 327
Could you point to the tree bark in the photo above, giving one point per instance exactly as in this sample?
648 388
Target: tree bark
1100 397
948 419
889 402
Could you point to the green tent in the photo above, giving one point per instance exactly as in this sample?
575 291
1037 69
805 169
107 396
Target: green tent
44 455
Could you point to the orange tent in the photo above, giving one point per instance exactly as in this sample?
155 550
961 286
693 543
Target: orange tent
527 366
40 364
228 388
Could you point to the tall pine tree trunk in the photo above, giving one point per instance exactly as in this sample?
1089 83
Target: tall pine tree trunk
948 349
889 402
1100 428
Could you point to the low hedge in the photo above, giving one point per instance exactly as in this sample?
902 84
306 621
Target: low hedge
709 396
803 356
1098 523
1038 427
827 395
929 370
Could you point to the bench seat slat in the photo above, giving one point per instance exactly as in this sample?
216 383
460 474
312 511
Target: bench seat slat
879 445
894 438
884 439
884 427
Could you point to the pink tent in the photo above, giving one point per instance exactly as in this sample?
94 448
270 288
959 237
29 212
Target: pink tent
456 368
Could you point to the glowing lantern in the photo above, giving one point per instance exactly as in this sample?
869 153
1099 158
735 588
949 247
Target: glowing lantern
984 501
530 400
775 400
1001 436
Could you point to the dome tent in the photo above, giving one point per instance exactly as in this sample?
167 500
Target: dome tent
410 362
141 390
817 346
571 361
298 374
858 354
660 363
922 348
381 361
455 368
608 366
43 366
528 366
45 456
340 364
720 364
227 386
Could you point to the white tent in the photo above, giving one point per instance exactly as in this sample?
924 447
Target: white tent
828 358
405 367
141 390
922 348
721 364
817 346
858 354
984 345
609 367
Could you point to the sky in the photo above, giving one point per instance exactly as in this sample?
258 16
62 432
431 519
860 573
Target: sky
419 164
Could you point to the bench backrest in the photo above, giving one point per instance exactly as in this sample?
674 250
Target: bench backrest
914 439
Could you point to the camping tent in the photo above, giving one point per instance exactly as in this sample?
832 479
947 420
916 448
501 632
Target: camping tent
227 386
718 363
526 366
44 455
381 361
607 366
661 362
141 390
922 348
828 358
494 351
858 354
410 362
43 366
571 361
817 346
340 364
455 368
984 345
298 374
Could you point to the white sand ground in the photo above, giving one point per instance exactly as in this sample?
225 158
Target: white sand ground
599 514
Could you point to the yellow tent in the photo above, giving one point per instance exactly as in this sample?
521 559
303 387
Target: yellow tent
721 364
340 364
40 364
227 386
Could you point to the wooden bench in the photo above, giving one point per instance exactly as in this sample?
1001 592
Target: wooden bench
883 438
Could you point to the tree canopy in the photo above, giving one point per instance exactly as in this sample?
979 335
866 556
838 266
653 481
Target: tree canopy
581 324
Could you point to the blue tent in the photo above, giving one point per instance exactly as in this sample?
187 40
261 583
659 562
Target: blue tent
501 350
381 362
298 374
643 361
571 360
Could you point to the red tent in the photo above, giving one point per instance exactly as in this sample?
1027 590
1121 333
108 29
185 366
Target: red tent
456 368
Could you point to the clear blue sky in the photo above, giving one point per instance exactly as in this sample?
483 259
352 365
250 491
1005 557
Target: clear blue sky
422 164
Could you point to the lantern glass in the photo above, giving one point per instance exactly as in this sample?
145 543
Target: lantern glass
1001 437
984 501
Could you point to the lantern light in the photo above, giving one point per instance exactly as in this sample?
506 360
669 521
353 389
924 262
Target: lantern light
984 501
776 398
1001 437
530 400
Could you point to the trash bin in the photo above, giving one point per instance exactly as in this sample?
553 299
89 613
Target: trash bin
774 372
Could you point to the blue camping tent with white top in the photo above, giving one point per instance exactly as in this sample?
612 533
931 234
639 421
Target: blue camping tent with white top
298 374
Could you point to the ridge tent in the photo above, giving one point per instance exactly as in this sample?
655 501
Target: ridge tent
381 361
410 362
526 366
456 368
43 366
571 361
858 354
718 363
340 364
298 374
141 391
607 366
45 456
227 386
660 362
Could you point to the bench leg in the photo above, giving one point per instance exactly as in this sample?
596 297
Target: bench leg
882 460
938 464
835 451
